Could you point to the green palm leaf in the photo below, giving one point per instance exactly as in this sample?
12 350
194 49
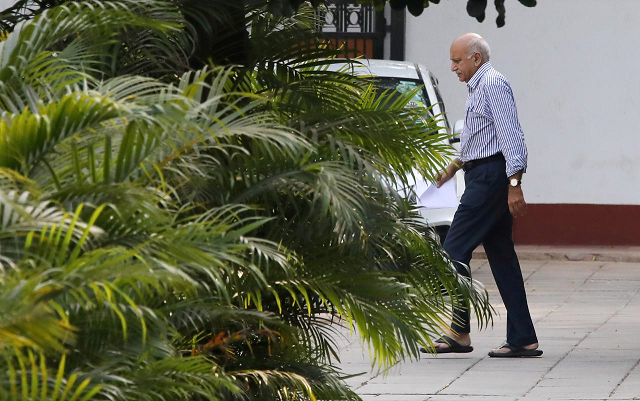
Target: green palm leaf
169 233
30 378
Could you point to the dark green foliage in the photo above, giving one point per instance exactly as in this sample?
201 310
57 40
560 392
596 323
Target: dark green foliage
179 227
475 8
23 10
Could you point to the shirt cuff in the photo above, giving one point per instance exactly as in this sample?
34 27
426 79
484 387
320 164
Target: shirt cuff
515 165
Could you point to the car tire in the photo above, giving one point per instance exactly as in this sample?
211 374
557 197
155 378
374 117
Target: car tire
442 233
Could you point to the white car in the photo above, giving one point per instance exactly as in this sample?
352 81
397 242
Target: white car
403 76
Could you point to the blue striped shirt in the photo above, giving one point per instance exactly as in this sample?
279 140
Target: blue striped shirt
491 121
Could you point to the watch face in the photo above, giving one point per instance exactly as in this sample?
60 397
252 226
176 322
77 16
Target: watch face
514 182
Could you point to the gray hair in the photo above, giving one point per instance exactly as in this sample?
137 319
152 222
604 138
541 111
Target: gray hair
479 45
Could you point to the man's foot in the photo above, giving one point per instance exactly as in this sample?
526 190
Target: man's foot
511 351
460 343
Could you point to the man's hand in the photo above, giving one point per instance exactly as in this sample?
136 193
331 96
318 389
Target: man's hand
448 173
442 177
517 205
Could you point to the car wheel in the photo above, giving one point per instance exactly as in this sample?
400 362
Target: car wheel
442 232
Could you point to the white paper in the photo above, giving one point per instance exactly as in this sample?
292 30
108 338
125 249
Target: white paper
439 198
421 186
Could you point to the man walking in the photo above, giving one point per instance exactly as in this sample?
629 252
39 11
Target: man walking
494 157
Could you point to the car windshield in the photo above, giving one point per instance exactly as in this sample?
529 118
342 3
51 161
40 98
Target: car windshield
403 85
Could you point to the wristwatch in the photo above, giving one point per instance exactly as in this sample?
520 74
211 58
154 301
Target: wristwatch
514 182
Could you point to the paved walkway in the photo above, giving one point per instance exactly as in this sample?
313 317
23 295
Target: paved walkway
629 254
587 317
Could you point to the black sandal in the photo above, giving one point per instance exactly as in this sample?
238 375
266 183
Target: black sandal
515 352
453 347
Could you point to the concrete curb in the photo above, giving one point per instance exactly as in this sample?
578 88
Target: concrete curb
585 254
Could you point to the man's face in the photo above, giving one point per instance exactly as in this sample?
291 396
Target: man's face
463 66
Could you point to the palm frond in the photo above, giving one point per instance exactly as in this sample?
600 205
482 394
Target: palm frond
169 233
173 378
28 376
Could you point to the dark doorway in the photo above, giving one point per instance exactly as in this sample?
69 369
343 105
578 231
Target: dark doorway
358 28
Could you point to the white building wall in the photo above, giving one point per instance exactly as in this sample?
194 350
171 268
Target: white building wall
574 66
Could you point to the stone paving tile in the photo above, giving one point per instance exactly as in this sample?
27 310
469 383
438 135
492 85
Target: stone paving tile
632 308
493 383
564 391
466 397
386 397
587 316
629 386
427 376
620 271
497 366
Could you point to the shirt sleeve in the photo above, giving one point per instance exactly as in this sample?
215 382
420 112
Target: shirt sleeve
502 106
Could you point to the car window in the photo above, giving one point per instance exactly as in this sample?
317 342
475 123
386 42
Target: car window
400 85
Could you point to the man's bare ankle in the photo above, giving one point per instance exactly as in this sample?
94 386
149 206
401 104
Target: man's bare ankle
462 338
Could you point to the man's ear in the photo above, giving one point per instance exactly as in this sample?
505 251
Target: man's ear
477 59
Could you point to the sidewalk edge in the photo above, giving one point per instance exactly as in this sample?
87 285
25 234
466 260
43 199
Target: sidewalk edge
628 255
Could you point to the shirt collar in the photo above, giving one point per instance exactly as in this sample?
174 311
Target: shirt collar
475 79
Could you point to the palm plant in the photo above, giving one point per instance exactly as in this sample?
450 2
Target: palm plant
203 234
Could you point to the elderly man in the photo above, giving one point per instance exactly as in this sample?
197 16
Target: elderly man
494 157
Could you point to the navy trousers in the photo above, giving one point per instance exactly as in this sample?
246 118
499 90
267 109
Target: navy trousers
483 217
